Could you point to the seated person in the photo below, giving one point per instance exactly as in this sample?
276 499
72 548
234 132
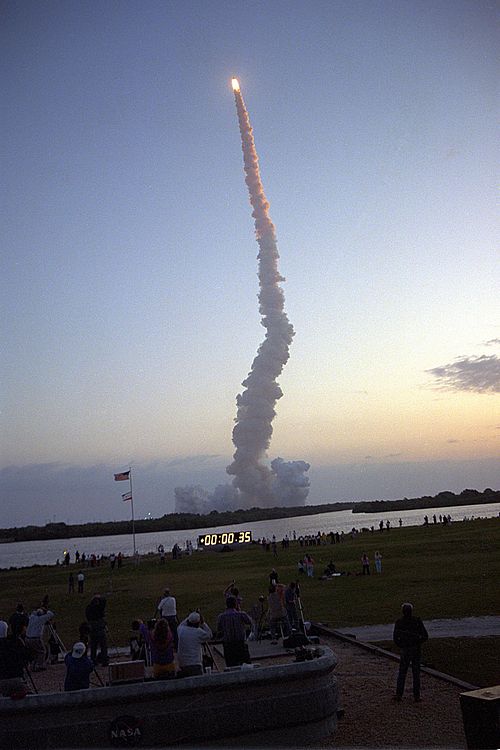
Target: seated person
78 668
139 641
162 651
193 632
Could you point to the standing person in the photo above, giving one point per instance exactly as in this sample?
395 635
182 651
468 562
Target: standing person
257 614
378 562
409 634
167 608
309 565
278 619
95 613
78 668
162 651
193 632
18 621
80 579
273 578
231 626
71 583
34 636
365 563
14 656
232 590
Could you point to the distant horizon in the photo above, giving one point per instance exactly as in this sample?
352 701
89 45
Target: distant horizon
48 493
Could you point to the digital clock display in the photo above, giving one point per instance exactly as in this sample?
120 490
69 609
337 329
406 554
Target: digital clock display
225 537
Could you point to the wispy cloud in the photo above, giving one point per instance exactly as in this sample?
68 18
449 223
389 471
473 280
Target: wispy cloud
492 342
476 374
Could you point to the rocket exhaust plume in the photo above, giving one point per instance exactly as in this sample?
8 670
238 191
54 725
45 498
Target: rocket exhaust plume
255 483
256 405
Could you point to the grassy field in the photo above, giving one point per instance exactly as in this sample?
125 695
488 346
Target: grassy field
445 571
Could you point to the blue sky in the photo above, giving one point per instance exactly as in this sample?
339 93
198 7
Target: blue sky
129 309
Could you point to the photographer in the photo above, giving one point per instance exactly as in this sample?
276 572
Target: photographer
34 636
193 632
231 627
94 613
78 668
167 609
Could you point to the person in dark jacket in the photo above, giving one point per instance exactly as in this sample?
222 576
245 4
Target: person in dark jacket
409 634
78 668
95 613
18 620
14 656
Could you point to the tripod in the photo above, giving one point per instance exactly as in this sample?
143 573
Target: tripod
301 611
208 658
30 678
262 624
56 637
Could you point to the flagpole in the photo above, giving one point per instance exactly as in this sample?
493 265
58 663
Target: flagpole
132 506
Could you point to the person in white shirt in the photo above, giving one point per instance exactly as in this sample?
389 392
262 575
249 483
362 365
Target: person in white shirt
167 608
192 632
34 636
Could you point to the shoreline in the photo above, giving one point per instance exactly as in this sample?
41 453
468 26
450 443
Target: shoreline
187 522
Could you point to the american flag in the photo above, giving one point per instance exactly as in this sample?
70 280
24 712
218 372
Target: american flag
127 496
124 475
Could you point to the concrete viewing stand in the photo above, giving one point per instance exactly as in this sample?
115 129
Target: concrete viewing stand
292 704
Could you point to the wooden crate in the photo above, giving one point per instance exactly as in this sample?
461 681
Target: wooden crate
126 671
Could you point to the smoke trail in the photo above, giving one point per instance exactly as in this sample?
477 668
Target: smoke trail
255 483
255 406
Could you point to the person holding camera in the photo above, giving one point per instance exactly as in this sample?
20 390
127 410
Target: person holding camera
193 632
34 636
231 627
167 609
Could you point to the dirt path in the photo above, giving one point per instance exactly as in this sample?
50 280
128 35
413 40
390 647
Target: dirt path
372 719
464 627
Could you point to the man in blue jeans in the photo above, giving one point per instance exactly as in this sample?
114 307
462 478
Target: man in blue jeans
409 634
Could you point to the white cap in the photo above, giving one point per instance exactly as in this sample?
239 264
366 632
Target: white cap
3 629
194 618
78 650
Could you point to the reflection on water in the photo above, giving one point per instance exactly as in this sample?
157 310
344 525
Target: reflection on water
24 554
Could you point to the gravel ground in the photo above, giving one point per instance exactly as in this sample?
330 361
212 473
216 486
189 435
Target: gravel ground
372 719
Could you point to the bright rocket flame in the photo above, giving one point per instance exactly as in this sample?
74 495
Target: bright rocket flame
235 84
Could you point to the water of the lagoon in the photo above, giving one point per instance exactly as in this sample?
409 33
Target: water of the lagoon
46 552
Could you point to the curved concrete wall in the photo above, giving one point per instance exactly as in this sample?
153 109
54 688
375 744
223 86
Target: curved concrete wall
292 704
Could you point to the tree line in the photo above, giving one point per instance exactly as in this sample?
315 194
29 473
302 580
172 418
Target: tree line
186 521
441 500
167 522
